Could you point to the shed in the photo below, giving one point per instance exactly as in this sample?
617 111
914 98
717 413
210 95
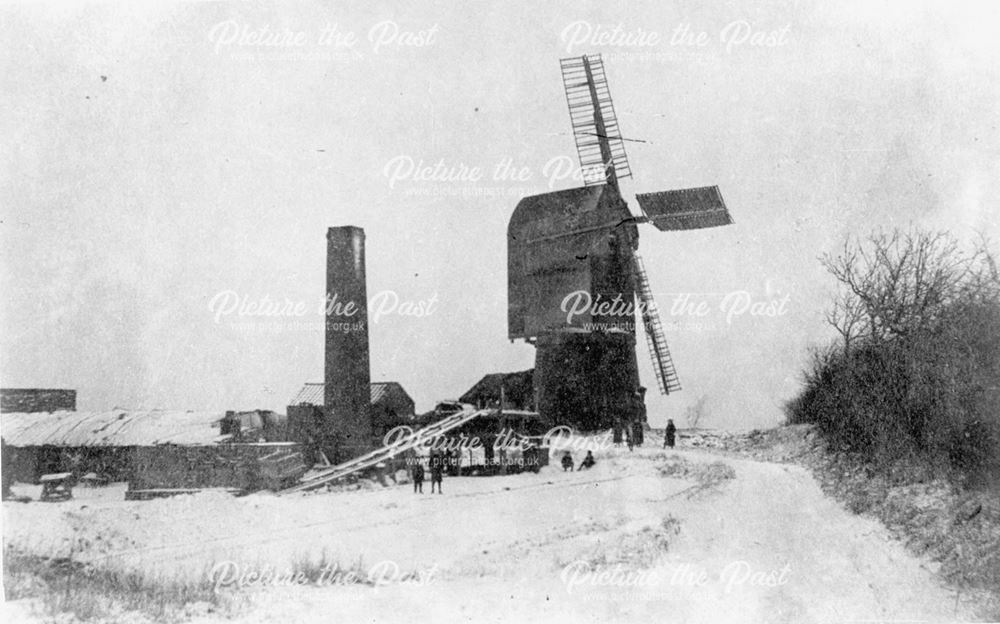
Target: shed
102 442
518 391
391 406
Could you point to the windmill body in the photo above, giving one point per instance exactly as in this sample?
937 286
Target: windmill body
585 372
576 284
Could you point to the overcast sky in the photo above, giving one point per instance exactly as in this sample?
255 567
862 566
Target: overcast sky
158 158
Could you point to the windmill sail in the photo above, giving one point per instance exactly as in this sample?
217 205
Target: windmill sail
663 365
685 209
592 114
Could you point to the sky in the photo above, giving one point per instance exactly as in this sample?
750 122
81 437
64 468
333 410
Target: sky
168 173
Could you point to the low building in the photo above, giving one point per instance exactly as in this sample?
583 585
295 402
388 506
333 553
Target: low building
516 389
391 406
99 442
149 448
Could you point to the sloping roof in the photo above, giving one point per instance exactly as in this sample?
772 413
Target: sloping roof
380 391
312 393
488 384
518 387
111 428
534 216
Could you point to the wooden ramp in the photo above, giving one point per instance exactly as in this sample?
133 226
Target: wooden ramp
386 452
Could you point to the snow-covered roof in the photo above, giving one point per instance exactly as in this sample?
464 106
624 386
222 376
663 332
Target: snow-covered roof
111 428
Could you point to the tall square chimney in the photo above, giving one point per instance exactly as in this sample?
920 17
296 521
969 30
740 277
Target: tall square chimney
347 377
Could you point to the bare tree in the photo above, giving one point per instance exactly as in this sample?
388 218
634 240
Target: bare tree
847 316
898 284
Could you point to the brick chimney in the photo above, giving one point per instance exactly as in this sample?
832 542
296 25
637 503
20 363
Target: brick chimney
347 395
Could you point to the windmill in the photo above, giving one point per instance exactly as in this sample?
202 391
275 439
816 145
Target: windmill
581 245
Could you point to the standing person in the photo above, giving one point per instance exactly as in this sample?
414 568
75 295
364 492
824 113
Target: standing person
669 434
437 471
639 400
418 477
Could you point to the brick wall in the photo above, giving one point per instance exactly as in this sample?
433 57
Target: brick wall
36 400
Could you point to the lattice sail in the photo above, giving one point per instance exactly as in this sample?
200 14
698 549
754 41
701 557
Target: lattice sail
595 126
656 341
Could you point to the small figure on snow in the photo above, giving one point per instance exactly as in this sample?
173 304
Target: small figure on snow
437 471
669 434
418 478
567 462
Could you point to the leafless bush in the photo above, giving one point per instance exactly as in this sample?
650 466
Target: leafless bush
915 373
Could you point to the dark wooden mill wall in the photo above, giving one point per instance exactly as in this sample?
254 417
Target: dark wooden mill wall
558 243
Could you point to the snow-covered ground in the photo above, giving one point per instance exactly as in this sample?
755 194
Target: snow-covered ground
620 542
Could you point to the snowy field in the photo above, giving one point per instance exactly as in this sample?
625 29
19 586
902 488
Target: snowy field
644 536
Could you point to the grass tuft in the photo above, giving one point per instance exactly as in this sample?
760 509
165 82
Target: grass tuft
61 586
